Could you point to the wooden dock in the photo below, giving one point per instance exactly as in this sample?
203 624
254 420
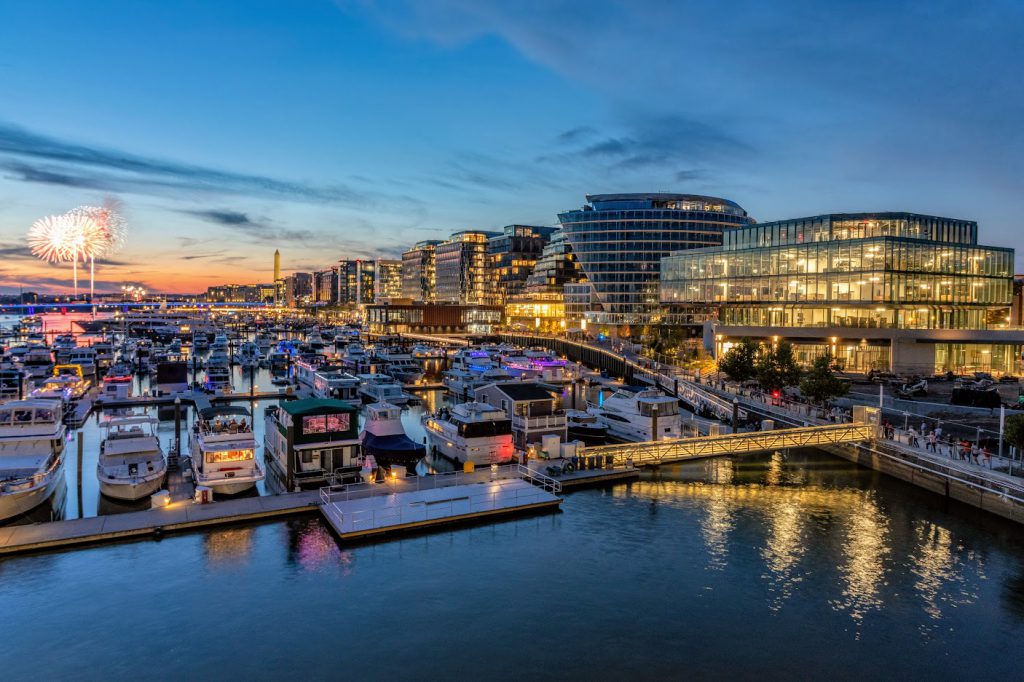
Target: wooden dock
152 523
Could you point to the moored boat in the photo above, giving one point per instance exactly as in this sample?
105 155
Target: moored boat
131 464
32 437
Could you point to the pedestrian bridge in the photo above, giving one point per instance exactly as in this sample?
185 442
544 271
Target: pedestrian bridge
680 450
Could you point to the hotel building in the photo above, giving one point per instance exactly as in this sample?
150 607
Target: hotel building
620 239
886 291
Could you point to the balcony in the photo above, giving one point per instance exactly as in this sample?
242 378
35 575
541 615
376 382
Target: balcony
548 421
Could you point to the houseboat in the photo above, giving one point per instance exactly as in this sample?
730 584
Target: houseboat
32 437
223 450
323 446
471 432
332 381
131 464
634 415
385 439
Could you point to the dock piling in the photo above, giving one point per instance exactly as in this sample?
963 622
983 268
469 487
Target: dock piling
79 476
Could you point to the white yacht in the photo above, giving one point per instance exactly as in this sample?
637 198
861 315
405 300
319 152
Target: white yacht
174 346
14 384
104 353
248 355
471 432
355 356
200 341
84 357
38 361
223 450
424 352
67 385
218 358
459 381
31 454
220 343
218 378
631 415
401 365
381 388
131 464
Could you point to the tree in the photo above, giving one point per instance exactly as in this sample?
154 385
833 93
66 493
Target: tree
776 368
1013 431
820 384
738 361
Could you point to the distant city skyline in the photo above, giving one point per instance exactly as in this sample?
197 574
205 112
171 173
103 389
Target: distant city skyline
334 130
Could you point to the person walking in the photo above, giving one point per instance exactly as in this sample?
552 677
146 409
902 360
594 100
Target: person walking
932 443
974 452
912 437
986 458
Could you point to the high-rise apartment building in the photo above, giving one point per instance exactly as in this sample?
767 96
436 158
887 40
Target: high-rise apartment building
513 253
461 265
388 280
419 272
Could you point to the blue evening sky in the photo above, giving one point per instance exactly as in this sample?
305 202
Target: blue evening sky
338 129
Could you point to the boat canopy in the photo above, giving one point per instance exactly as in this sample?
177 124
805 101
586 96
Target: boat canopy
311 406
210 413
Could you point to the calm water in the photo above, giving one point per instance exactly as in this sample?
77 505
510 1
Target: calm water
776 567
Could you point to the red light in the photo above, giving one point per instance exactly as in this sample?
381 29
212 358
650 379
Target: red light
63 310
775 394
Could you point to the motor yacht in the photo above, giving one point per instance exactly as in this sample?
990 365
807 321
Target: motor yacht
223 450
32 437
38 361
131 464
248 355
14 382
218 379
67 385
585 427
84 357
633 415
379 388
471 432
401 365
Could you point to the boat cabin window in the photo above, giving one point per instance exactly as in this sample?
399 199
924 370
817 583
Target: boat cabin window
665 409
327 423
500 427
228 456
307 456
22 416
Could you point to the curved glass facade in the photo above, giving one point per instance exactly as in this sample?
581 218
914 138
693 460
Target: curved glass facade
620 239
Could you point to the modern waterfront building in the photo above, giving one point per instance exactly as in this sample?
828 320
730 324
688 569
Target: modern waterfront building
355 281
461 266
241 293
298 288
620 239
325 286
513 253
388 280
887 291
432 318
419 273
541 305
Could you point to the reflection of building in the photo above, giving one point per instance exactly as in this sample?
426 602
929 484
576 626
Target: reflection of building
900 291
418 272
461 269
620 239
513 254
388 282
432 318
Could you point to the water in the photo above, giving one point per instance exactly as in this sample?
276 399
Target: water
766 567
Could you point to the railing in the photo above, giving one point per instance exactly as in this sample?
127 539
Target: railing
663 452
549 421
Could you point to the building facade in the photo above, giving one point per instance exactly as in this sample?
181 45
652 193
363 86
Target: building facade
513 254
298 289
325 286
541 304
885 291
355 281
462 269
419 273
620 239
387 281
432 318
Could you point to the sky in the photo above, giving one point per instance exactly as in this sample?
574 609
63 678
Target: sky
347 128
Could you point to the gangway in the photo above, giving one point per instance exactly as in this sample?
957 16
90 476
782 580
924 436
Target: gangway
653 453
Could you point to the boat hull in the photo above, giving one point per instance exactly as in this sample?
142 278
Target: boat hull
17 503
131 490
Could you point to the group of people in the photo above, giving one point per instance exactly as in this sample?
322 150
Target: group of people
219 425
934 440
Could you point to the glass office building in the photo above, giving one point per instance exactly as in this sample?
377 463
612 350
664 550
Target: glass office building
513 254
419 271
872 288
461 265
620 239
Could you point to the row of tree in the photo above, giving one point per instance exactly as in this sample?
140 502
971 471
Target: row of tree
774 368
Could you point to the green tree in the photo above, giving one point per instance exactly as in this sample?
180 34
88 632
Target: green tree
776 368
738 361
821 384
1013 431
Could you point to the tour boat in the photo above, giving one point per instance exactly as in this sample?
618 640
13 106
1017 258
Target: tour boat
131 464
385 439
471 432
32 436
585 427
379 388
324 446
631 415
223 450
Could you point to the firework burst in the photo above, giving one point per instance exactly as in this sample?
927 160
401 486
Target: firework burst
109 228
50 238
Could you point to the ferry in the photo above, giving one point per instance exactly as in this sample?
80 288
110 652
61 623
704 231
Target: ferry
131 464
471 432
630 415
379 388
385 439
223 450
32 437
325 446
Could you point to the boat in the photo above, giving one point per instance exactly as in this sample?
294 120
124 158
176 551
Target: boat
218 379
401 366
218 358
119 373
200 341
104 354
171 375
14 384
585 427
471 432
84 357
131 464
63 344
174 346
264 341
278 361
461 382
223 450
67 385
424 352
631 415
324 446
248 355
332 381
379 388
385 439
38 361
355 357
32 435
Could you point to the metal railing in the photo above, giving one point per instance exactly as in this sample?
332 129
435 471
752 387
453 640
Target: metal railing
549 421
663 452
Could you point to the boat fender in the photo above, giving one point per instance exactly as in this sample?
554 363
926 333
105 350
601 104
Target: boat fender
568 468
